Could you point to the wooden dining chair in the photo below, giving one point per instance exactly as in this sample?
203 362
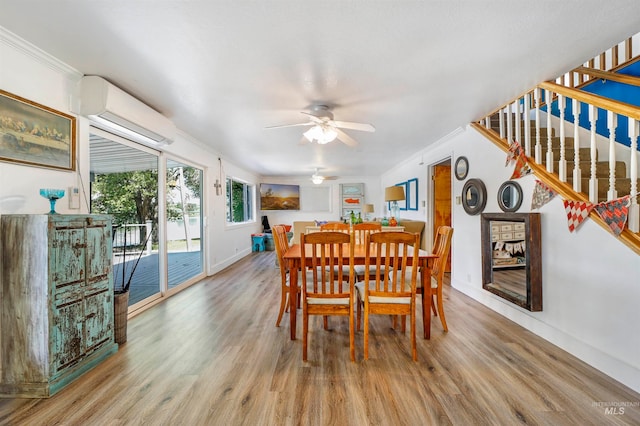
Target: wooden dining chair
335 226
324 290
282 245
338 227
393 292
441 247
360 233
361 230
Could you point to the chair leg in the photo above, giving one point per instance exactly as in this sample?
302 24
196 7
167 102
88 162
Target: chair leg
352 337
358 314
366 334
305 330
441 310
414 348
325 321
284 305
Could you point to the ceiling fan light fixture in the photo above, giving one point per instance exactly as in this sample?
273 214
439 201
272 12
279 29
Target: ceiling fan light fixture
329 134
321 134
317 179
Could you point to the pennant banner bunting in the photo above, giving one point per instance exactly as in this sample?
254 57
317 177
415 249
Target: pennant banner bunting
614 213
521 168
577 212
542 194
514 152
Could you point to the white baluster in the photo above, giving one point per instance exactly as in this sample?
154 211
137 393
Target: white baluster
518 121
612 121
509 124
538 144
577 173
593 180
562 164
633 219
548 100
527 124
501 121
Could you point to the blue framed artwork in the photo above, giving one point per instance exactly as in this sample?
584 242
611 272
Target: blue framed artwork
411 192
402 204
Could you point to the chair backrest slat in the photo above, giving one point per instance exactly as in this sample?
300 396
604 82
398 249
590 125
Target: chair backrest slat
393 251
328 253
441 247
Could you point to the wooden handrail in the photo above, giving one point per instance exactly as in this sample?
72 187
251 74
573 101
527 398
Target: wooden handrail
609 76
618 107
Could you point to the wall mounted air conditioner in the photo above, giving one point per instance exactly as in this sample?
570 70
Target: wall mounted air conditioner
116 111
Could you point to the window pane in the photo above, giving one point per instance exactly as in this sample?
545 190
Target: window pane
239 201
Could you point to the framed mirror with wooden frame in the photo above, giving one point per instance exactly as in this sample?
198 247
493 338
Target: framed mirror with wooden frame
511 257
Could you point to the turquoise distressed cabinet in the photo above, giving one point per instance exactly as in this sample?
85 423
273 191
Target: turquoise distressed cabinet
56 300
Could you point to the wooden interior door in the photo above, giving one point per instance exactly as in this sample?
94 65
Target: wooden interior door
442 199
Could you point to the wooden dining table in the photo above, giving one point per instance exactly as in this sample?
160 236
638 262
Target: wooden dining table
294 263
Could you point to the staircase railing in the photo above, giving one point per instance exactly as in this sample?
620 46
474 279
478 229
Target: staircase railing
572 166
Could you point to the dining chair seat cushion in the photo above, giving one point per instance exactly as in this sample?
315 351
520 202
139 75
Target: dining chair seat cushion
434 283
383 299
323 300
361 269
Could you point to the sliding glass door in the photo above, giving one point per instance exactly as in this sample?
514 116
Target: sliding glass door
184 223
124 184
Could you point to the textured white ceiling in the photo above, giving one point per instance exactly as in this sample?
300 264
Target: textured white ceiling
416 70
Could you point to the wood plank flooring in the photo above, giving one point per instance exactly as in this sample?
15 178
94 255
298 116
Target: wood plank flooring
211 355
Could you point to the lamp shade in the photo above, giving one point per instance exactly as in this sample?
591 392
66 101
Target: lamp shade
394 193
367 208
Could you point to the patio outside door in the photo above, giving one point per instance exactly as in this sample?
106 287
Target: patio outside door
184 223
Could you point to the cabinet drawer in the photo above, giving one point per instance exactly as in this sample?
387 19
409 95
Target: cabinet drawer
519 235
506 236
518 227
495 228
507 227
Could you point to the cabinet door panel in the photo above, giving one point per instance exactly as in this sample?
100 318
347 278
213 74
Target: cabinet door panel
66 338
98 243
98 308
68 256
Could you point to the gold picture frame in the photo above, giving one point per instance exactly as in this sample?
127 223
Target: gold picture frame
36 135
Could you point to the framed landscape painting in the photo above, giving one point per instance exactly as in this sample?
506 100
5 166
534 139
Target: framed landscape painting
36 135
279 197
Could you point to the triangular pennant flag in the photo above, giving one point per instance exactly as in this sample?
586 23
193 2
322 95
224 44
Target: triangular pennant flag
542 194
614 213
521 168
514 152
577 212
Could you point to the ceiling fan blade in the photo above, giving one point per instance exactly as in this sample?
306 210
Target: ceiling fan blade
313 118
289 125
364 127
330 177
345 138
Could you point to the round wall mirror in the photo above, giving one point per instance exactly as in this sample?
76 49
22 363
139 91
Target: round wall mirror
510 196
461 168
474 196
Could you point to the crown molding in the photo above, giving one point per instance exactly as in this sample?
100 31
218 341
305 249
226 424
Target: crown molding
10 39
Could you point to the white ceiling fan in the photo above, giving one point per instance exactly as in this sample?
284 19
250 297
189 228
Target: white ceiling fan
317 178
325 129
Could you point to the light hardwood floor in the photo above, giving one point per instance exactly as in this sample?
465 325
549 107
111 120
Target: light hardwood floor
211 355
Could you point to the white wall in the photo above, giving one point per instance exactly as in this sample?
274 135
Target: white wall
591 281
